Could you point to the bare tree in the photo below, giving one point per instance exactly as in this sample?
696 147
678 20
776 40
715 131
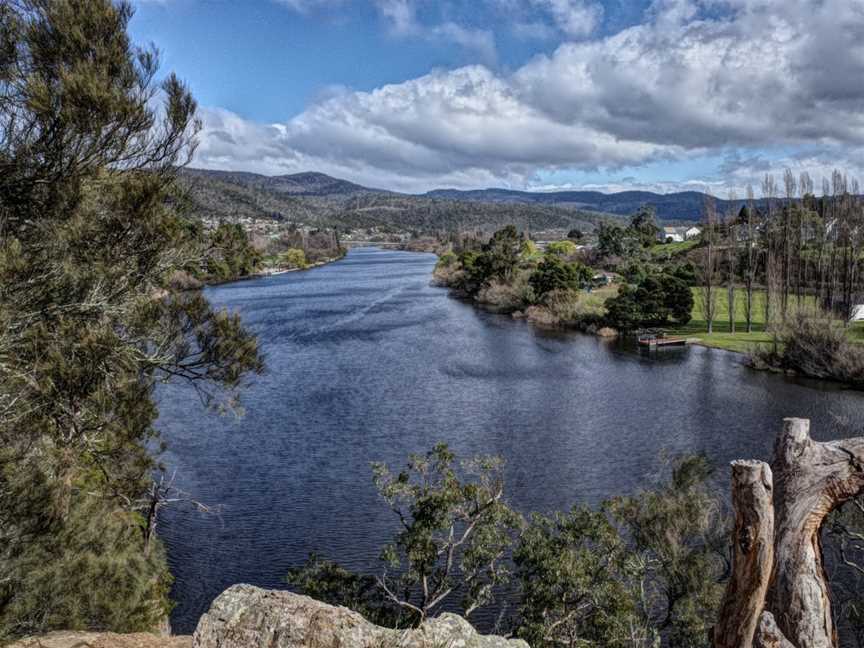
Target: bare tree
751 258
731 258
769 192
790 185
708 265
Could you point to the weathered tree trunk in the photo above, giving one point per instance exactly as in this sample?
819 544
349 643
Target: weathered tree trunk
752 555
768 635
810 480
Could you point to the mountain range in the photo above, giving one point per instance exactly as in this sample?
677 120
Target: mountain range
317 199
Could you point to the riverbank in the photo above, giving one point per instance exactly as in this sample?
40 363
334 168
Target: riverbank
271 272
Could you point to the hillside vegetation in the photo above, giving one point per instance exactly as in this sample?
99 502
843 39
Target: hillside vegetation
317 200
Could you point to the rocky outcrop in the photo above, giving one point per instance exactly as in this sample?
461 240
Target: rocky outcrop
102 640
244 616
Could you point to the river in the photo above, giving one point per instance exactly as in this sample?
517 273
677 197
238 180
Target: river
369 362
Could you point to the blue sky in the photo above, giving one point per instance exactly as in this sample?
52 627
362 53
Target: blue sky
416 94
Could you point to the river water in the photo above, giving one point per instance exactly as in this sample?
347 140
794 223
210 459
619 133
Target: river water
369 362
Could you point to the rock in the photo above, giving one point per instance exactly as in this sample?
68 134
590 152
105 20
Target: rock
607 332
102 640
244 616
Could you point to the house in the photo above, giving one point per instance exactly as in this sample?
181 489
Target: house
679 234
672 234
692 233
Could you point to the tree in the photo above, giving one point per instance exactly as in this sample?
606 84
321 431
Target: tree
501 254
751 258
679 532
708 265
554 274
575 234
294 258
231 254
611 240
454 533
90 235
562 248
576 580
655 300
644 226
455 530
778 594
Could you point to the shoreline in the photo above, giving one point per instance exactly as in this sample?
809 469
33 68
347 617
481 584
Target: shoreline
265 274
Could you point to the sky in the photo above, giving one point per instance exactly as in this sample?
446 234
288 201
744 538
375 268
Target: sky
413 95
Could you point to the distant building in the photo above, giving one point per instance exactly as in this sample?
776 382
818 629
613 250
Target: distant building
679 234
692 233
672 234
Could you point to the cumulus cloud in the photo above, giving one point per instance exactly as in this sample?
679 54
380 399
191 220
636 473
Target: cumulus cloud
696 78
575 18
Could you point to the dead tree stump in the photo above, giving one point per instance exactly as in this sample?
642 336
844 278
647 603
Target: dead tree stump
752 555
811 479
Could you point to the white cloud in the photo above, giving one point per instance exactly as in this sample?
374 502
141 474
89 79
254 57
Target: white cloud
576 18
766 73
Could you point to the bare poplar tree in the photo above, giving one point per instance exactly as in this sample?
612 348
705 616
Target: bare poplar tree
708 264
790 185
751 258
731 258
769 192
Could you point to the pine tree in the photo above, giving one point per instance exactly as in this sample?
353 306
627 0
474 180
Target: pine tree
90 234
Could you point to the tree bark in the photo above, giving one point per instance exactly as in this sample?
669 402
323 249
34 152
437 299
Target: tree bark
811 480
768 635
752 555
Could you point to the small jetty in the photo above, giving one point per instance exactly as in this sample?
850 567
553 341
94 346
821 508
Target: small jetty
660 340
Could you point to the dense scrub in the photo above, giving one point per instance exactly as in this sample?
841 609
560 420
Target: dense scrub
636 571
94 252
814 345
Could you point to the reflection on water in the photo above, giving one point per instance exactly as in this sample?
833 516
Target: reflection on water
368 362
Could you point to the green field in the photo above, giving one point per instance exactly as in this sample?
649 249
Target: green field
740 341
669 250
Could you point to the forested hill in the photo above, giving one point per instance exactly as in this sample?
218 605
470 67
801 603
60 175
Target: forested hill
318 200
684 205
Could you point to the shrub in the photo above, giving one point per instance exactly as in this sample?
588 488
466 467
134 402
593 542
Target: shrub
507 296
816 346
294 258
562 248
447 260
555 274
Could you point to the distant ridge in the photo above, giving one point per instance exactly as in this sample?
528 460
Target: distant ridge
682 205
309 183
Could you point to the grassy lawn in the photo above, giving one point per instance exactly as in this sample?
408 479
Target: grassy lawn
595 301
669 250
722 338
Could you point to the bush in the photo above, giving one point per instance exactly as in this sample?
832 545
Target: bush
507 296
294 258
447 260
555 274
654 301
816 346
562 248
82 571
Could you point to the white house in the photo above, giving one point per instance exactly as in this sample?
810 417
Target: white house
692 233
674 234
